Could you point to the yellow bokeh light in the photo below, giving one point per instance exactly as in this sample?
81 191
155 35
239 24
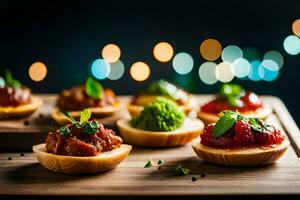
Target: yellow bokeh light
111 53
37 71
140 71
296 27
224 72
211 49
163 52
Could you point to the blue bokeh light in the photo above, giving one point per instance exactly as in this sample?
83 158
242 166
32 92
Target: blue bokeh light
183 63
253 74
267 73
231 53
291 45
275 56
100 69
116 70
241 67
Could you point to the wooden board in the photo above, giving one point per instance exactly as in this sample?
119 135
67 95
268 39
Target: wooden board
23 175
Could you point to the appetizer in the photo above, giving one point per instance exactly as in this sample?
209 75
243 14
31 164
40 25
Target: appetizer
161 123
16 99
102 102
162 88
82 147
234 97
240 141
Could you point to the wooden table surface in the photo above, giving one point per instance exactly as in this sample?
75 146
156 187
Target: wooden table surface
23 175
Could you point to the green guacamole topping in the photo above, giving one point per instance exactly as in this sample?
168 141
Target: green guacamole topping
160 115
163 87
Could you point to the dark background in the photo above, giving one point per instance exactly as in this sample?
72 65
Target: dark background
68 35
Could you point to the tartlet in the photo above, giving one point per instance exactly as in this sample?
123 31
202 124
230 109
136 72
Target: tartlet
16 99
161 124
234 97
238 141
83 147
102 102
162 88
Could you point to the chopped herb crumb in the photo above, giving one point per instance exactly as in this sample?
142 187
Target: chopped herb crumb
194 178
159 162
181 171
149 164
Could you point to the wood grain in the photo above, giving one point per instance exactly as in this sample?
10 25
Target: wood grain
23 175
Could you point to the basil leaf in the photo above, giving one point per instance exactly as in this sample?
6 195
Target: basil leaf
69 117
10 81
149 164
93 88
181 171
8 76
224 124
2 82
85 115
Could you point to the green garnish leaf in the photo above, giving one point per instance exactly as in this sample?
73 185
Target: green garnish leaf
181 171
69 117
2 82
10 81
257 125
64 130
225 123
93 88
85 115
91 128
159 162
149 164
232 94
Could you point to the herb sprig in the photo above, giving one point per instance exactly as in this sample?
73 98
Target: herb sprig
9 81
88 127
232 93
228 119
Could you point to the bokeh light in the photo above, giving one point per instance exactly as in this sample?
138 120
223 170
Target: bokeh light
183 63
207 72
296 27
116 70
253 74
250 54
140 71
163 52
224 72
211 49
231 53
275 56
111 53
268 70
291 45
37 71
100 69
241 67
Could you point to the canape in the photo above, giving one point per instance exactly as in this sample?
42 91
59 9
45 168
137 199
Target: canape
234 97
239 141
16 99
102 102
82 147
160 124
162 88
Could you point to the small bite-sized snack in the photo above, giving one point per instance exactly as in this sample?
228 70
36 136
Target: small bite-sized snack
82 147
162 88
102 102
233 97
239 141
161 123
16 99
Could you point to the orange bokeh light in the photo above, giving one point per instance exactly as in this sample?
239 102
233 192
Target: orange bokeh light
111 53
37 71
140 71
296 27
211 49
163 52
